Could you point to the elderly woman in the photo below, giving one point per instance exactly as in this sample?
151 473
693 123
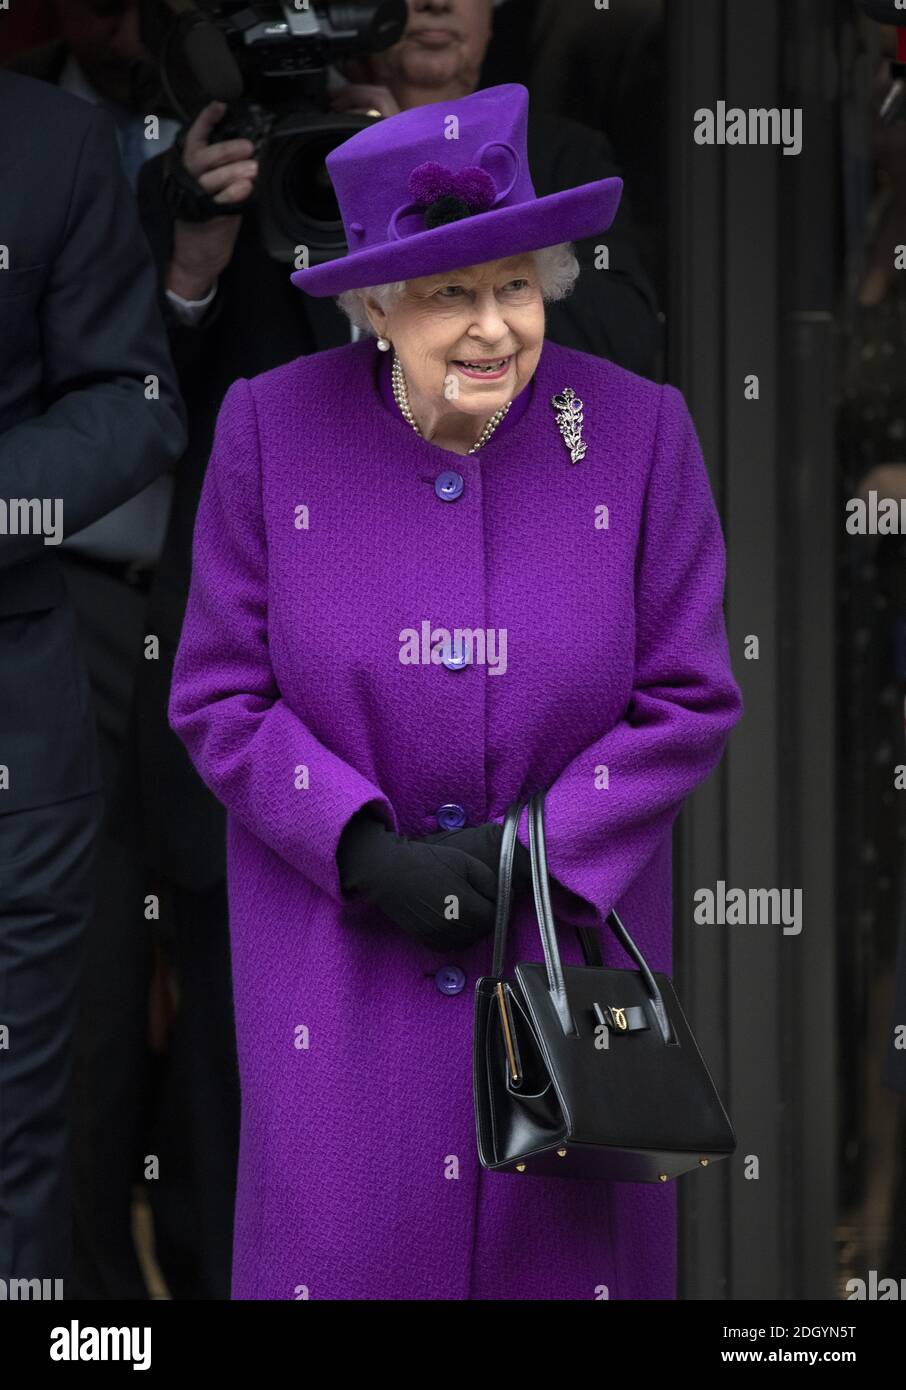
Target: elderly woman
425 582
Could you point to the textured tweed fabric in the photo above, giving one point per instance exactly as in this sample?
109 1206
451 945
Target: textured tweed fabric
320 538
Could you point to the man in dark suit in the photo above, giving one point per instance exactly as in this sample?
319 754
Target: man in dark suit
98 56
90 415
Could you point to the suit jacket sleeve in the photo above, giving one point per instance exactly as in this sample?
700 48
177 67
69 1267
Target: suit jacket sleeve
246 742
601 829
611 313
100 439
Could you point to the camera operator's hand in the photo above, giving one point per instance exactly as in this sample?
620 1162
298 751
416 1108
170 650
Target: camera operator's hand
365 97
227 171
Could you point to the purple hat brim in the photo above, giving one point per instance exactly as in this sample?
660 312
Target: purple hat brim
487 236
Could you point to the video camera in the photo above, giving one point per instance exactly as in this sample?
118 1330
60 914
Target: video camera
270 63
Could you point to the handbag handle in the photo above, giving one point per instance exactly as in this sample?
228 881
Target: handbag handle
505 884
555 979
547 924
588 936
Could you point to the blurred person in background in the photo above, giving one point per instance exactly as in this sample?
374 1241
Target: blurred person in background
606 69
89 416
871 423
98 57
873 418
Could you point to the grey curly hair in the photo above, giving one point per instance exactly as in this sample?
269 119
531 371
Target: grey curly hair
557 269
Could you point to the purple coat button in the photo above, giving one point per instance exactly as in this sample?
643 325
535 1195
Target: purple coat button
455 656
449 486
451 816
450 979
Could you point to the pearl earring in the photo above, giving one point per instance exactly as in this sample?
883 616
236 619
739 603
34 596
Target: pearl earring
383 344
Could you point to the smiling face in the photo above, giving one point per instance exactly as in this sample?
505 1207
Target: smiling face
468 340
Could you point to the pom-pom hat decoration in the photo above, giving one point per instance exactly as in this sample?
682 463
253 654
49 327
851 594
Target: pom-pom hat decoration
445 186
446 196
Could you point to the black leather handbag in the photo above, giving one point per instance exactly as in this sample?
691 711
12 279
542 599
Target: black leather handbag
581 1071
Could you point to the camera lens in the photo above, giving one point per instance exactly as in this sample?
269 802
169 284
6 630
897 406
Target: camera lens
306 186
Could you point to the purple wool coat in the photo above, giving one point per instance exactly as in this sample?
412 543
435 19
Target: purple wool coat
320 539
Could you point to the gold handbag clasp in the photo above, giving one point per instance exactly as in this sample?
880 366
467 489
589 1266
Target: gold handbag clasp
614 1016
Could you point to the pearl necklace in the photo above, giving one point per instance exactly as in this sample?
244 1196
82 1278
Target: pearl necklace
401 396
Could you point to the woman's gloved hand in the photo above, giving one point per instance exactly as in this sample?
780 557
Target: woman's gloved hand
483 841
410 881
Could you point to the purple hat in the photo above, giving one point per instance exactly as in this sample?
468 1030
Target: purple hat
447 185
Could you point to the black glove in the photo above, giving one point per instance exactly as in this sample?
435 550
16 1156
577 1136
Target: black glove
483 842
409 881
